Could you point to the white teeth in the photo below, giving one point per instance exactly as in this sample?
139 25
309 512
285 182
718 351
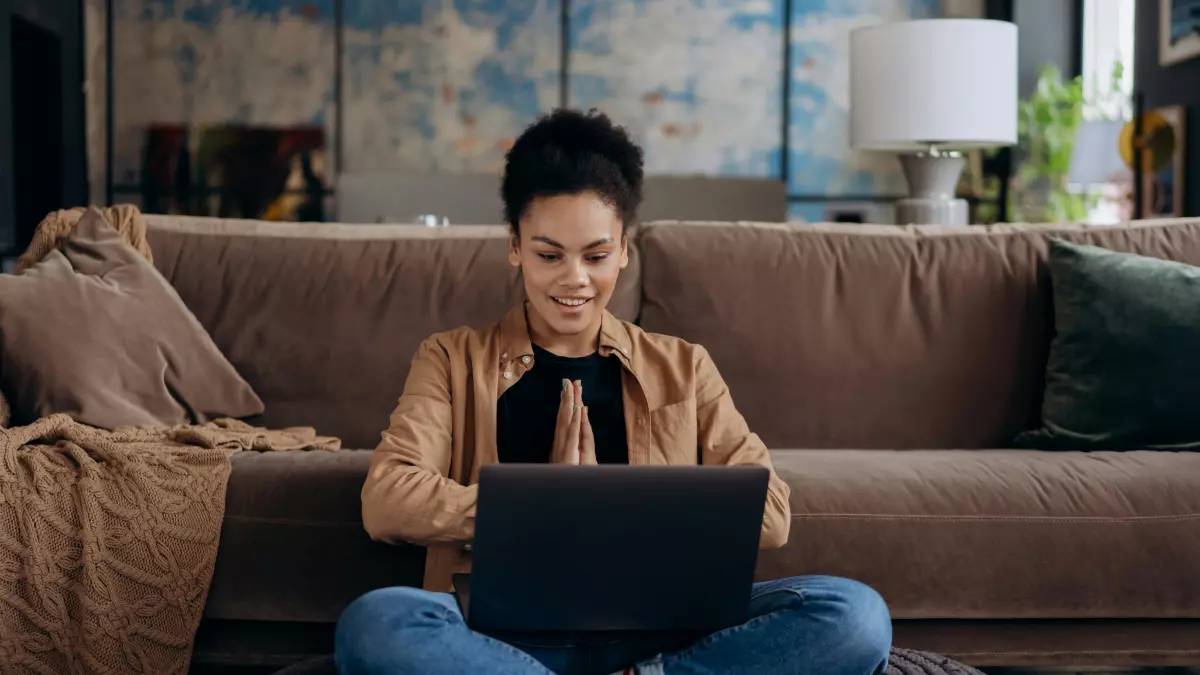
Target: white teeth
570 302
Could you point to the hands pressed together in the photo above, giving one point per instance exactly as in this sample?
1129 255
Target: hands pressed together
573 439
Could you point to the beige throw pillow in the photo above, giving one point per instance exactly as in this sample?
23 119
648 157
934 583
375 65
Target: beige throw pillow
94 331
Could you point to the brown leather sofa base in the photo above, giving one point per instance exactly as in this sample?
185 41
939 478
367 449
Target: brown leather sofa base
293 546
224 643
1050 643
1045 644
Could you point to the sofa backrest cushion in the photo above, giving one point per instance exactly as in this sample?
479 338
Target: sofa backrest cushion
851 336
322 319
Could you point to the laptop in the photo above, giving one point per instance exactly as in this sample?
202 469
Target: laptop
613 548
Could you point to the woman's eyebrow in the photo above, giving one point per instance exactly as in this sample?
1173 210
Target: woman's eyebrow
555 244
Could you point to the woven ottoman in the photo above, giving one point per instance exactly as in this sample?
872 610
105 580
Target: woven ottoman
902 662
908 662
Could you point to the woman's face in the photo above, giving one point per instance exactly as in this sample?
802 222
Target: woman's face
570 250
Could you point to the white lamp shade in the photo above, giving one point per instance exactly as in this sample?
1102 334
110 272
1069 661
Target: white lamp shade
945 82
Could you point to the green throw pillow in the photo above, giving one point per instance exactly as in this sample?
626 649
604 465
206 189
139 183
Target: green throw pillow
1124 367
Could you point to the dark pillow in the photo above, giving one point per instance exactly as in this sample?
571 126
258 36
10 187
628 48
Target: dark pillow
1124 366
94 331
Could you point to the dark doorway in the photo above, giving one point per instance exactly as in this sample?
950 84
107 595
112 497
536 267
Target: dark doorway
37 107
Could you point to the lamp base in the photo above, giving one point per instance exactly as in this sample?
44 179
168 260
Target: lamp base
932 178
918 211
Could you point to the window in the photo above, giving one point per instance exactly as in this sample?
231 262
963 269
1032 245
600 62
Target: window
1107 95
1107 44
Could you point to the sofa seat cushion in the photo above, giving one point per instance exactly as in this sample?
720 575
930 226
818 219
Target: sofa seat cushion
999 534
293 546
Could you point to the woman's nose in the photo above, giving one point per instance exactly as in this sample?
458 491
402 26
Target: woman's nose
574 274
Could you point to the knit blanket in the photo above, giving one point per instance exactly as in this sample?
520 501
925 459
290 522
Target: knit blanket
108 540
126 219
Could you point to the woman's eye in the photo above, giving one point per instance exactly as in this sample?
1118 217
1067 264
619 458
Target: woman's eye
548 256
597 258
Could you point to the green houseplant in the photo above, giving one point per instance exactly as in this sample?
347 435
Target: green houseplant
1047 123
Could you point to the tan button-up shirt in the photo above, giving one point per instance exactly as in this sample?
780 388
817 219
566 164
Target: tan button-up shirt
421 486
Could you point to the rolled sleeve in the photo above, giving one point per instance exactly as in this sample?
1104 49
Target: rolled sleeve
407 495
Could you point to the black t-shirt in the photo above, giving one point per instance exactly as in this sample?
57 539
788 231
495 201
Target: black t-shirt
526 414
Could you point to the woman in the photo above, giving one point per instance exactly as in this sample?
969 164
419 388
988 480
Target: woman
561 380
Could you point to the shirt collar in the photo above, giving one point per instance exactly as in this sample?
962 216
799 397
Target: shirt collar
614 336
514 336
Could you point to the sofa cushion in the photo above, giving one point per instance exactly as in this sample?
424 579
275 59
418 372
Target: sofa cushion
854 336
1123 369
323 319
999 534
293 547
94 331
316 574
983 534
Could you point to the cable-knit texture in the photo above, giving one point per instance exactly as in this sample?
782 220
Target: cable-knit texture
108 540
126 219
909 662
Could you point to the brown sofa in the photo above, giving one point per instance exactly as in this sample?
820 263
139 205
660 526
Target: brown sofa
888 367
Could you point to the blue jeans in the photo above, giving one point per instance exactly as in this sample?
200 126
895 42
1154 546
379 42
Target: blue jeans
812 625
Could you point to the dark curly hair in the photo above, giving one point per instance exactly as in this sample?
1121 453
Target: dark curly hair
567 152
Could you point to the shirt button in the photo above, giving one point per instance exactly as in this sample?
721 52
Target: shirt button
507 375
526 359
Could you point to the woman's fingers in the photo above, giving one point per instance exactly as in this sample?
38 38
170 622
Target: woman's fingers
576 419
565 450
565 400
574 442
587 441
